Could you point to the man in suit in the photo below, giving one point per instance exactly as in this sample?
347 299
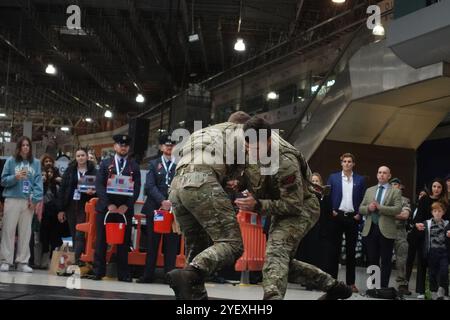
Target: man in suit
118 165
160 174
346 194
380 206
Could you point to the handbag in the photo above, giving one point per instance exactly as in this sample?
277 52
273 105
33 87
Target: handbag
384 293
61 259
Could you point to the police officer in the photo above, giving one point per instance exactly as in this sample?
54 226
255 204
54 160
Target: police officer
294 209
160 174
202 208
118 165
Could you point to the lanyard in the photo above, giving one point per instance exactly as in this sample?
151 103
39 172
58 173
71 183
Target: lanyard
117 166
80 174
167 169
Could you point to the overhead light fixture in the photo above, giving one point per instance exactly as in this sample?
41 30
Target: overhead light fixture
65 129
88 119
239 45
140 98
50 69
2 114
331 83
338 1
314 88
108 114
272 95
194 37
378 30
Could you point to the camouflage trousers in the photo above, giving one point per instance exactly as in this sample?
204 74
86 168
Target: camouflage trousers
208 221
280 266
401 255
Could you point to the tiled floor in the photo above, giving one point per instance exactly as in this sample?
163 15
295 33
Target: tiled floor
39 282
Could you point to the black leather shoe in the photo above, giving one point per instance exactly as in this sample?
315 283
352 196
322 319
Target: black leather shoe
126 279
145 280
95 277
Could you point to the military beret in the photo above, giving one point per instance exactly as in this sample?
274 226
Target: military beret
395 180
122 139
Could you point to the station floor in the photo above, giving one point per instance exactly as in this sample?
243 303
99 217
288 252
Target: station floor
39 285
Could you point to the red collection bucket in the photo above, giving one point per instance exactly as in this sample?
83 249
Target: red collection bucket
115 231
162 221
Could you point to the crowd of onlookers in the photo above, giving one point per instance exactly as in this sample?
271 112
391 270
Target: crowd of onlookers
390 224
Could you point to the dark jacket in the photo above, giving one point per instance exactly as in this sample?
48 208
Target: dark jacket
70 182
2 164
106 170
359 188
156 188
427 244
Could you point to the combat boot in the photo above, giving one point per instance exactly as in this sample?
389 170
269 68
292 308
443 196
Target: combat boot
199 292
182 282
339 291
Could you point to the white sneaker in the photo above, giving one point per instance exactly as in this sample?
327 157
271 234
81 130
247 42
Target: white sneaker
441 293
4 267
421 297
22 267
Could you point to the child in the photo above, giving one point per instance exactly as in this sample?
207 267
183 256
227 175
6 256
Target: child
437 249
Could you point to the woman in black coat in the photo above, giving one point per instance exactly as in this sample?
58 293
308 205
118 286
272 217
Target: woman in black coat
71 201
416 239
316 247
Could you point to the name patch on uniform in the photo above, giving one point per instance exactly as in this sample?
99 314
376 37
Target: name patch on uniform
288 180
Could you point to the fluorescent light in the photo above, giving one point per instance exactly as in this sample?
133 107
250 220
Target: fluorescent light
2 114
338 1
378 30
88 119
239 45
331 83
193 37
314 88
50 69
65 129
140 98
272 95
108 114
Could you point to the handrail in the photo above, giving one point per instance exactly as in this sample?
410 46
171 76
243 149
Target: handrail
268 51
338 59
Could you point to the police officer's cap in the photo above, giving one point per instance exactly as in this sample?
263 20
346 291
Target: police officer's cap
122 139
395 180
166 140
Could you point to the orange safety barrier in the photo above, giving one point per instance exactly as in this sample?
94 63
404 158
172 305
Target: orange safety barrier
254 240
135 257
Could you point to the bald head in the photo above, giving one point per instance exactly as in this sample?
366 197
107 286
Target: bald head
383 175
239 117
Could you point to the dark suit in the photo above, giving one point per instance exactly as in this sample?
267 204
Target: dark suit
344 223
157 190
108 168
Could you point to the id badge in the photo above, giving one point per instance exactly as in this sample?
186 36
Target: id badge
26 186
76 194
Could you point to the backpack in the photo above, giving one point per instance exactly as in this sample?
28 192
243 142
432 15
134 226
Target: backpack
384 293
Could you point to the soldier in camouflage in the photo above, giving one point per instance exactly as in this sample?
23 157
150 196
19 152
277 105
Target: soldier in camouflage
203 209
401 243
294 209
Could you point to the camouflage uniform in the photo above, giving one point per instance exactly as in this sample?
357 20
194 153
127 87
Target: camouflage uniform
401 245
294 209
201 206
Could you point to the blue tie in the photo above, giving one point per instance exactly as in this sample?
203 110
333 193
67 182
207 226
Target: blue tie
121 164
375 215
